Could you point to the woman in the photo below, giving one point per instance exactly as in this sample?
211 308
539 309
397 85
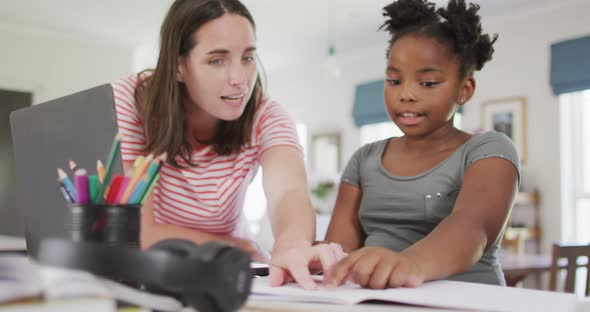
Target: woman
204 106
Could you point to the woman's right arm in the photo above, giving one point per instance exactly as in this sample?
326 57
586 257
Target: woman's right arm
345 228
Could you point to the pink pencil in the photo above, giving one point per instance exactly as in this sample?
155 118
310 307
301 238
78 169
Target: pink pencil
122 188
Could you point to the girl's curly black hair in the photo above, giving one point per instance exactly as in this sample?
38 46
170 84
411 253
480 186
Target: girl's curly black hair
458 26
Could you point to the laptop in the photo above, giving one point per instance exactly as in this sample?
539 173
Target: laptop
80 127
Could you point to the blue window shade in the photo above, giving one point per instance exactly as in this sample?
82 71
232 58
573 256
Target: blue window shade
570 65
369 106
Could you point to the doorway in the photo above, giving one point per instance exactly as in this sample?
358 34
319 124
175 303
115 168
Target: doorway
11 214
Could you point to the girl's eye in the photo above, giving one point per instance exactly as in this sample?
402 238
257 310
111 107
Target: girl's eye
393 82
429 84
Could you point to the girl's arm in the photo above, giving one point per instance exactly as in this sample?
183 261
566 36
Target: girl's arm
292 219
345 228
478 217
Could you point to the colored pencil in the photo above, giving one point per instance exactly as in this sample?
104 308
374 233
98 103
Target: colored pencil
142 184
67 196
153 171
155 165
115 150
73 165
63 178
150 188
121 190
114 189
93 186
81 183
139 172
100 171
138 162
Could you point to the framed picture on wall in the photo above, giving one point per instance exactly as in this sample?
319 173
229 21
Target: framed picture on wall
507 115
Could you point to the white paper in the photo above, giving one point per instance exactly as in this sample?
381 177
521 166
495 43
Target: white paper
440 294
19 278
23 278
64 283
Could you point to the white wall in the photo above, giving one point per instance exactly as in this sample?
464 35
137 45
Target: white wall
520 68
324 102
52 65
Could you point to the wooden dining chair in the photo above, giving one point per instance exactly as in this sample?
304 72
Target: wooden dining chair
571 252
513 243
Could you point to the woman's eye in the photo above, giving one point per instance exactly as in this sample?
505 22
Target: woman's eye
215 61
429 84
393 82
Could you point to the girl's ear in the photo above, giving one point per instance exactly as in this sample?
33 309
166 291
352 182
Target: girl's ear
180 69
466 91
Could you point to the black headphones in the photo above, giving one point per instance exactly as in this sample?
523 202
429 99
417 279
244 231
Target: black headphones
211 277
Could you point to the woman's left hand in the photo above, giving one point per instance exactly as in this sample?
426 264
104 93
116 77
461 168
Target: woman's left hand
295 263
376 267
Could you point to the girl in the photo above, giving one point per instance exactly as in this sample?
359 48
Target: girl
204 106
433 203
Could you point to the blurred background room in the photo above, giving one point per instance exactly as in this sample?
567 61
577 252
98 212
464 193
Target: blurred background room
325 63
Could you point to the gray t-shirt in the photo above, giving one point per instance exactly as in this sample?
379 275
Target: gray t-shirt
397 211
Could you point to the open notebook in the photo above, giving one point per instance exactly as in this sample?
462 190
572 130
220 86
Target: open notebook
438 294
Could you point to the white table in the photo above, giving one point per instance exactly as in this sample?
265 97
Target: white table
262 306
11 243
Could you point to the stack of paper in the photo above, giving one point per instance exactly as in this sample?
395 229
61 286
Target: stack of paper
22 279
96 304
19 278
438 294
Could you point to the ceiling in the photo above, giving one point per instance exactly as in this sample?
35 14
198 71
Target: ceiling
289 32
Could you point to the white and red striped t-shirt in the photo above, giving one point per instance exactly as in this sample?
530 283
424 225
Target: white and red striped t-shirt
208 197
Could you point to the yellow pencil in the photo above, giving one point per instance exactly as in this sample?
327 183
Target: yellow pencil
138 161
138 173
73 165
100 170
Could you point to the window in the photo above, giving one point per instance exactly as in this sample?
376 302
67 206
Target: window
383 130
379 131
255 202
575 165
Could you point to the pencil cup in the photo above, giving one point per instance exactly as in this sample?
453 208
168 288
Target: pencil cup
109 224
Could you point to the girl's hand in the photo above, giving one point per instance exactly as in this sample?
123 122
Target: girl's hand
252 248
376 267
295 264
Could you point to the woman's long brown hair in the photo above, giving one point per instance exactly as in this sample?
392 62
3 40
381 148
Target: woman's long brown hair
159 96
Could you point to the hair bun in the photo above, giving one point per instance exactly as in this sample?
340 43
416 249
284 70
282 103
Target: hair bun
406 13
463 21
458 26
484 50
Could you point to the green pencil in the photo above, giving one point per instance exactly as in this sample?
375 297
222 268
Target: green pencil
93 185
115 150
149 190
